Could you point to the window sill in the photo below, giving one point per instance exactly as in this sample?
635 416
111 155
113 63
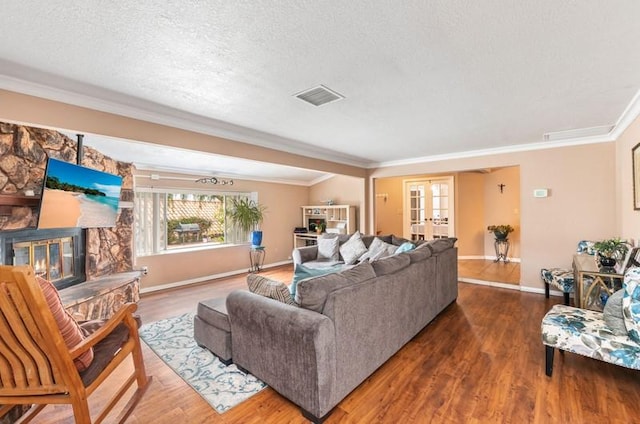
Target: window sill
189 249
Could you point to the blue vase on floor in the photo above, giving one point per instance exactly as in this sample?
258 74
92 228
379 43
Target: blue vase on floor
256 238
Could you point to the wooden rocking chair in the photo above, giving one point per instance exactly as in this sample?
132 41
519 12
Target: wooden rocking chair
37 368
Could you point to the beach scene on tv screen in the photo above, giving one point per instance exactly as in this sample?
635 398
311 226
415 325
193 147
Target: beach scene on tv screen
75 196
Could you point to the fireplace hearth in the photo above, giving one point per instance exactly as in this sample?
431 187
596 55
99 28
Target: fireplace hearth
56 255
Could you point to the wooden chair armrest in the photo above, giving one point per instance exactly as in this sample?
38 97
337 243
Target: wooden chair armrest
123 315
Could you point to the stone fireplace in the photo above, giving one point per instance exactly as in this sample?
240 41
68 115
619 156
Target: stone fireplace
92 268
55 255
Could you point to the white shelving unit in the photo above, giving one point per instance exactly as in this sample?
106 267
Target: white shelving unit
339 219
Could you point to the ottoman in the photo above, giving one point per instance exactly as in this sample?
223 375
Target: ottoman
211 328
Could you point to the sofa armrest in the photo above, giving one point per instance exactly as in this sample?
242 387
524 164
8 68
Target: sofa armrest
291 349
301 255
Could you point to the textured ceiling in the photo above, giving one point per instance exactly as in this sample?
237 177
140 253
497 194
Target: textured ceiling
421 78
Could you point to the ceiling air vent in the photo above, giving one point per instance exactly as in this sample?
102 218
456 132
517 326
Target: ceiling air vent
319 95
578 133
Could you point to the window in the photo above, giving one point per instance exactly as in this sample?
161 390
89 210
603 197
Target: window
169 219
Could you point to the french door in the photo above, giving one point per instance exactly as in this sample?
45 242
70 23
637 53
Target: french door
428 208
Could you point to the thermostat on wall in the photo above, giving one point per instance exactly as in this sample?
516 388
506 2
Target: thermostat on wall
540 192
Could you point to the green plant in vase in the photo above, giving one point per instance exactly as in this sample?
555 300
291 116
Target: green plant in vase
247 215
610 251
500 232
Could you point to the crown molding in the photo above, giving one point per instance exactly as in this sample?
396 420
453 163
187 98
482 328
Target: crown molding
630 114
496 151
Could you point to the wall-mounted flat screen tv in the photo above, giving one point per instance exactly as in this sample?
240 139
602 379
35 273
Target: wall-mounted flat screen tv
75 196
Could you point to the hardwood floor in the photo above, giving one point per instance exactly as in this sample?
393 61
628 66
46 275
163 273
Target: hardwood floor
488 270
480 361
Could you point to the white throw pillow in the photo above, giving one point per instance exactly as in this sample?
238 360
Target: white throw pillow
375 246
328 247
388 250
353 248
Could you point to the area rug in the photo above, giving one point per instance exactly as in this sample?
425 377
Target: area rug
222 386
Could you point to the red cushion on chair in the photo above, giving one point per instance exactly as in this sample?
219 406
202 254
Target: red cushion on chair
71 332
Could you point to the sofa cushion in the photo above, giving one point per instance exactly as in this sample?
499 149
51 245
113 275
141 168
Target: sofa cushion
353 248
328 247
612 314
397 241
269 288
312 292
69 328
631 303
441 244
390 264
418 254
302 272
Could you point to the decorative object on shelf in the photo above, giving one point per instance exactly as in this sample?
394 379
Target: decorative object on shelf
247 215
321 227
500 232
214 180
635 156
610 251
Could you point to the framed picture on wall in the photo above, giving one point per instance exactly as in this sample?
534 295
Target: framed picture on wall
635 154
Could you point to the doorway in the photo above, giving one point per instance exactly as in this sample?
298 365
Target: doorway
475 199
429 208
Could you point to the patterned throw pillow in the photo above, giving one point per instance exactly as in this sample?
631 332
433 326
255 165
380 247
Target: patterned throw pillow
353 248
71 331
270 288
612 314
631 303
328 247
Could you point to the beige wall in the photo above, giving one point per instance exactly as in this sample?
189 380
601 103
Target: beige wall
282 214
389 209
581 205
470 210
502 208
629 225
343 190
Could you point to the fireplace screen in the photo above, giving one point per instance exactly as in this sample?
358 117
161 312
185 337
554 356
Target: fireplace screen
51 259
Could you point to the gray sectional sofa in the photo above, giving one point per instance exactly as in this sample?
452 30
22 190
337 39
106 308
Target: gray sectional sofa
347 324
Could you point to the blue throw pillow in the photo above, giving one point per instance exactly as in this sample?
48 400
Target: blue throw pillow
301 272
405 247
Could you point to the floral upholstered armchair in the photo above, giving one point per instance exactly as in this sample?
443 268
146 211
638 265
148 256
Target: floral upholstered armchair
561 278
611 336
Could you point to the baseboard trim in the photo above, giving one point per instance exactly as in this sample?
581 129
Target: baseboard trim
487 258
517 287
205 278
490 283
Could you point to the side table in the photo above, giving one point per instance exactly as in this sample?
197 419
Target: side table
502 250
593 285
256 258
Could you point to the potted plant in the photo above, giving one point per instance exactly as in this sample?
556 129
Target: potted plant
500 232
610 251
247 215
